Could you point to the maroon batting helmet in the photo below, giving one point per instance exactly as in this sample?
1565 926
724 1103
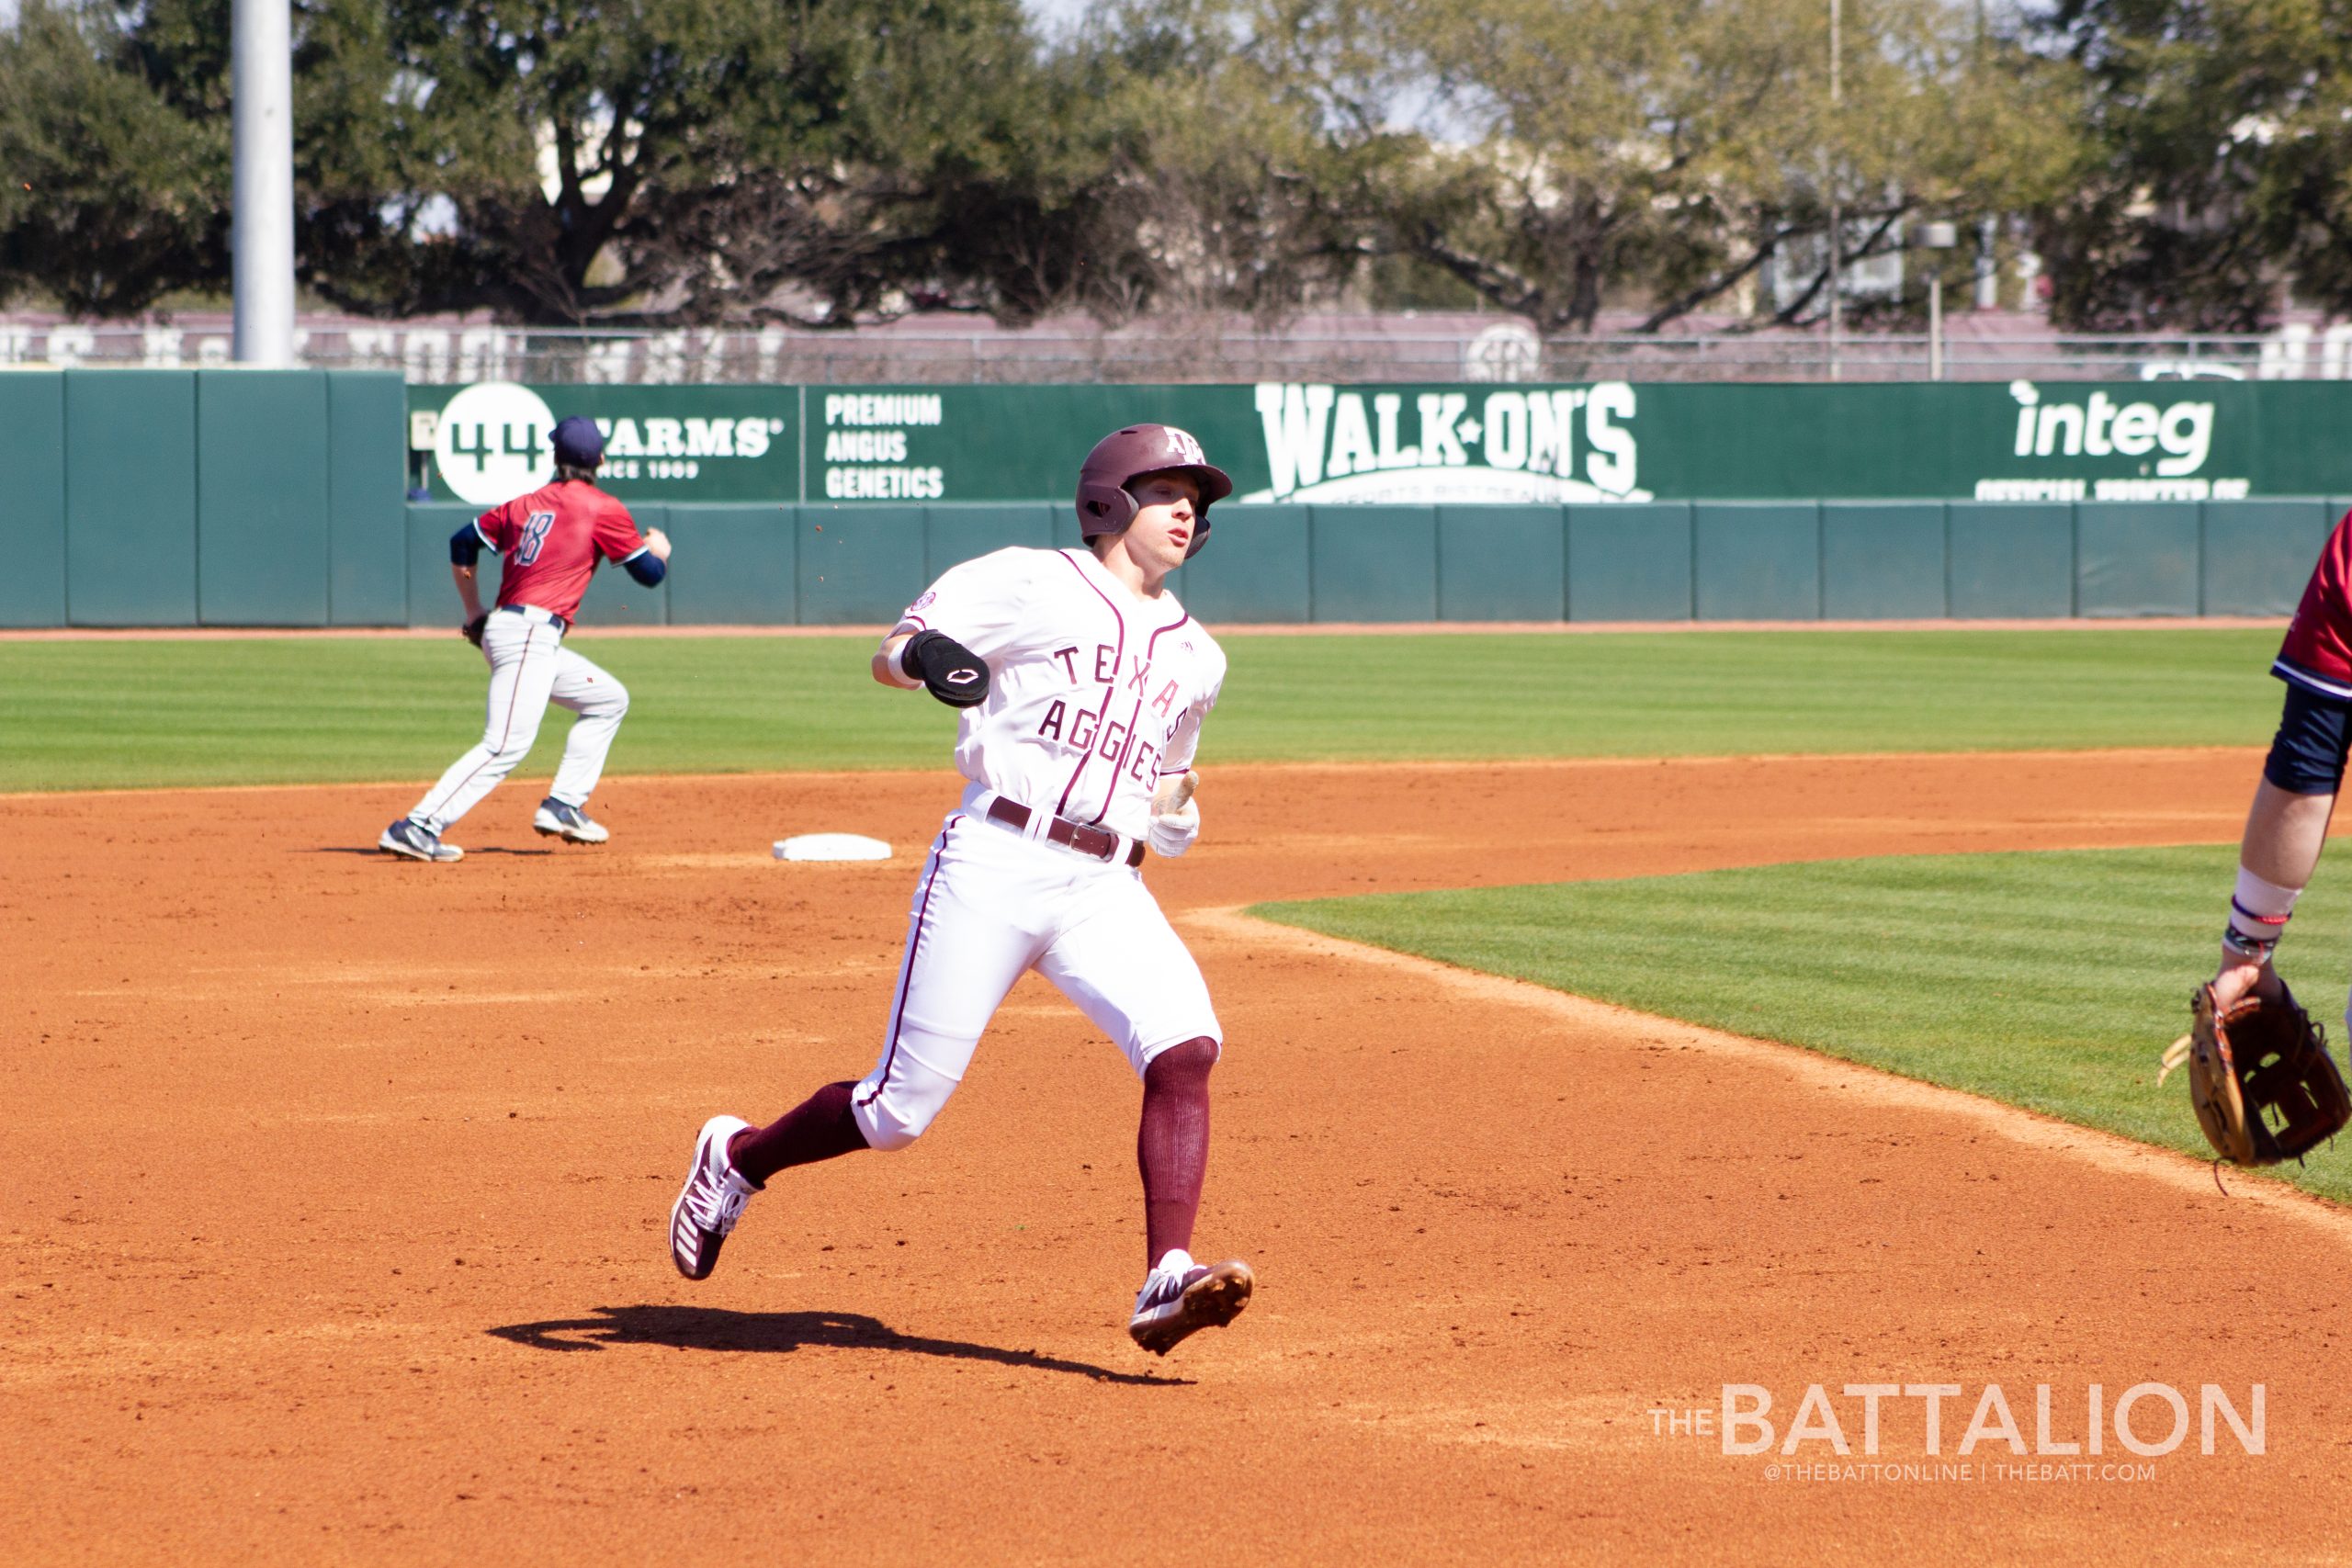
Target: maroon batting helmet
1104 503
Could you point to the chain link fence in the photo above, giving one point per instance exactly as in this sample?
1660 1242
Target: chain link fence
1395 348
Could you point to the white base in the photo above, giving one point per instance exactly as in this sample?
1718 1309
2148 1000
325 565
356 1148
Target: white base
831 846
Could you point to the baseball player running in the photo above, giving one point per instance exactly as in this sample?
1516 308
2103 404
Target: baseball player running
1083 683
552 540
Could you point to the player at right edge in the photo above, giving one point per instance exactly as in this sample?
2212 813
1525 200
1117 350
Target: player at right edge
1083 683
2287 825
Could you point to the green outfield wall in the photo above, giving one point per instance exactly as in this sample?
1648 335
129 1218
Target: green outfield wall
163 498
178 498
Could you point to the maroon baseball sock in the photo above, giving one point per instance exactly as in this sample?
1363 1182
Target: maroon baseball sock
818 1128
1172 1144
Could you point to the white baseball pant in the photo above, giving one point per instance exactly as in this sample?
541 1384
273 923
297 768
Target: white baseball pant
529 668
991 904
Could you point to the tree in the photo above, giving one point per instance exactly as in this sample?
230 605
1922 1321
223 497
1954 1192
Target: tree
1665 150
699 159
1183 170
115 144
549 160
2217 176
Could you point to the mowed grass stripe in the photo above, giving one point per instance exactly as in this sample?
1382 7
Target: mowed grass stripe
2049 980
117 713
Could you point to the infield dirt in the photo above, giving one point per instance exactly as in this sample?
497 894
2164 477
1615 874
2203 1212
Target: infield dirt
334 1192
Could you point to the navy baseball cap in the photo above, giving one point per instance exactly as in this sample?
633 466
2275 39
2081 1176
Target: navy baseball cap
578 443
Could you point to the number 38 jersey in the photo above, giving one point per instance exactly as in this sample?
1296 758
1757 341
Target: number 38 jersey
1094 694
552 540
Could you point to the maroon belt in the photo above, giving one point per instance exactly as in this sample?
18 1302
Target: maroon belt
1100 843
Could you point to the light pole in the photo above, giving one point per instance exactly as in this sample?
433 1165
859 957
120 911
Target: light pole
1837 240
261 210
1935 238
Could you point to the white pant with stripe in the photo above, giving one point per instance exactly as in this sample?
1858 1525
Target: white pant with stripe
529 668
992 903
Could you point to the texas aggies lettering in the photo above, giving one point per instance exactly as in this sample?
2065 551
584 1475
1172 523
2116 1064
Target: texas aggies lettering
1114 739
1083 685
1083 726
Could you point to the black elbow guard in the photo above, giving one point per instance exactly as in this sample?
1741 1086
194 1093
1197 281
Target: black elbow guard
647 567
948 670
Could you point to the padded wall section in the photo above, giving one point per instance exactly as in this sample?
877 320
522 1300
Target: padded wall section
1257 566
859 566
1373 563
432 595
1757 561
2011 559
1502 563
1881 561
2135 559
32 515
1630 562
2257 555
734 566
260 498
952 534
131 490
367 516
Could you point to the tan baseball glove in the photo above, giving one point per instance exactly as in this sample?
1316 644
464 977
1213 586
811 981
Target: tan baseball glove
2260 1079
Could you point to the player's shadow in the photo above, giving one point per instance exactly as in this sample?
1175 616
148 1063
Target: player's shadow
373 852
717 1328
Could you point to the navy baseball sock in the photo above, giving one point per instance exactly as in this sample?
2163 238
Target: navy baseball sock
1172 1144
818 1128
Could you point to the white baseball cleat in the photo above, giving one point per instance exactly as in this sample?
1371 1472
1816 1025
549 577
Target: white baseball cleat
555 819
415 840
1181 1297
712 1201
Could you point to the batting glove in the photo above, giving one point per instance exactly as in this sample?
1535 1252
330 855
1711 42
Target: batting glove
1173 834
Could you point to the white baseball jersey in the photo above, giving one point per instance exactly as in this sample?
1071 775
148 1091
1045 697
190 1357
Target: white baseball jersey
1094 694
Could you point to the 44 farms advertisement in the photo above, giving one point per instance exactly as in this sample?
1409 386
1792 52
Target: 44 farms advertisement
1311 442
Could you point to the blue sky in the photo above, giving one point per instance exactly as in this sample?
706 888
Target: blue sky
1048 11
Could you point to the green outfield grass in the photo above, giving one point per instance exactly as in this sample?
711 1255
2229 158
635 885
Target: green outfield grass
2049 980
81 715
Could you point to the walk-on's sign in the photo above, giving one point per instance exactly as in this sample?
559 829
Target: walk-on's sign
1596 441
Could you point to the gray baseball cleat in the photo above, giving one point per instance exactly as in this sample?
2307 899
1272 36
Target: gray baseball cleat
1181 1297
414 839
711 1201
556 819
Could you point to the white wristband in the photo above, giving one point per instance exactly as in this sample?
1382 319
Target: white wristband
2260 909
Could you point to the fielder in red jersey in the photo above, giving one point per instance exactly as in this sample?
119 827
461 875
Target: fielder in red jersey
2317 655
2286 826
551 541
554 539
